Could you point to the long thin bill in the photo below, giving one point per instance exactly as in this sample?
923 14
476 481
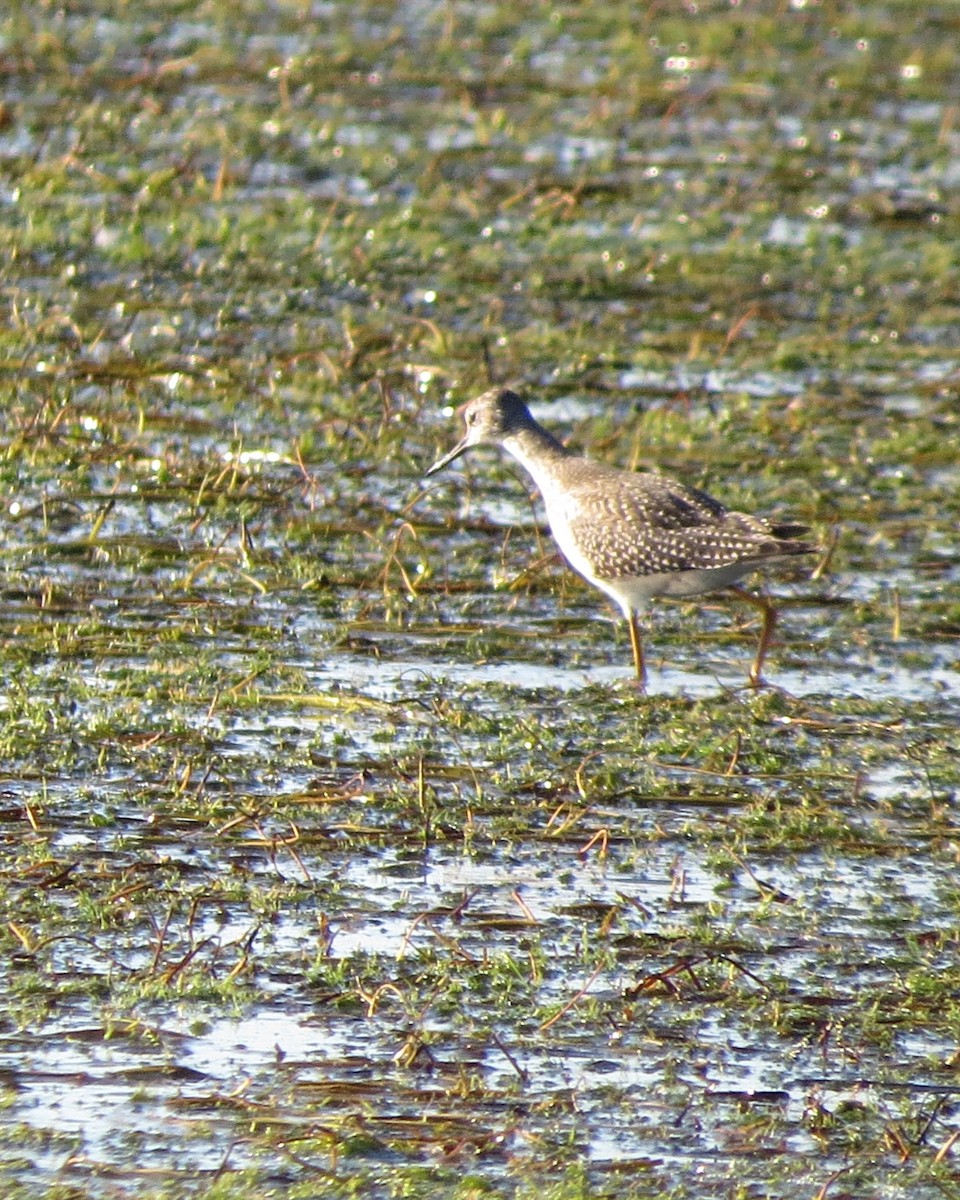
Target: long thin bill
447 458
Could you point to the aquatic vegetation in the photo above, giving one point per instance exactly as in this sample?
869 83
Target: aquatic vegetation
339 851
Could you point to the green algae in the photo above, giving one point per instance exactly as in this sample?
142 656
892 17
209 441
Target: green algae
289 738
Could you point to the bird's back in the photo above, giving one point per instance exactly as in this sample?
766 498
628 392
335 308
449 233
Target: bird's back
614 524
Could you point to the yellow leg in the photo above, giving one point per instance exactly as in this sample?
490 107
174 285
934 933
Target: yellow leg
636 645
761 602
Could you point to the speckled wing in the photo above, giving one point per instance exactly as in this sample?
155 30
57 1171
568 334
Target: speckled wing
648 524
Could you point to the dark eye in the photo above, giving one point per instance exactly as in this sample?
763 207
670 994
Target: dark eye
471 417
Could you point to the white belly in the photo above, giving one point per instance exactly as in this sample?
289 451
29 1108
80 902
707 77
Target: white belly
633 592
630 592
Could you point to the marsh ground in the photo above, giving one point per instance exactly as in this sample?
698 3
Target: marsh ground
340 856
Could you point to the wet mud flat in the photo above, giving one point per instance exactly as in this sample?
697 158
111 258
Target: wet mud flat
338 852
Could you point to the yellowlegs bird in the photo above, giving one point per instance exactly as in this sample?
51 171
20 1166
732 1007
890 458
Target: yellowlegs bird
634 536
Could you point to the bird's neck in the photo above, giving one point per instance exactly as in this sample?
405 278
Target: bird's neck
535 449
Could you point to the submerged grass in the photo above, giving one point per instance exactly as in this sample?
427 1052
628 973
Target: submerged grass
340 853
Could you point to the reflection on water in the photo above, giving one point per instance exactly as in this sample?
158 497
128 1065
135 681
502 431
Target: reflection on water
334 830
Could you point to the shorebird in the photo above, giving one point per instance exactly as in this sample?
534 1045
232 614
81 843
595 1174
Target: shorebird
635 536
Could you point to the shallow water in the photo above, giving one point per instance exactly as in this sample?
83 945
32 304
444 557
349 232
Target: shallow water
339 849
